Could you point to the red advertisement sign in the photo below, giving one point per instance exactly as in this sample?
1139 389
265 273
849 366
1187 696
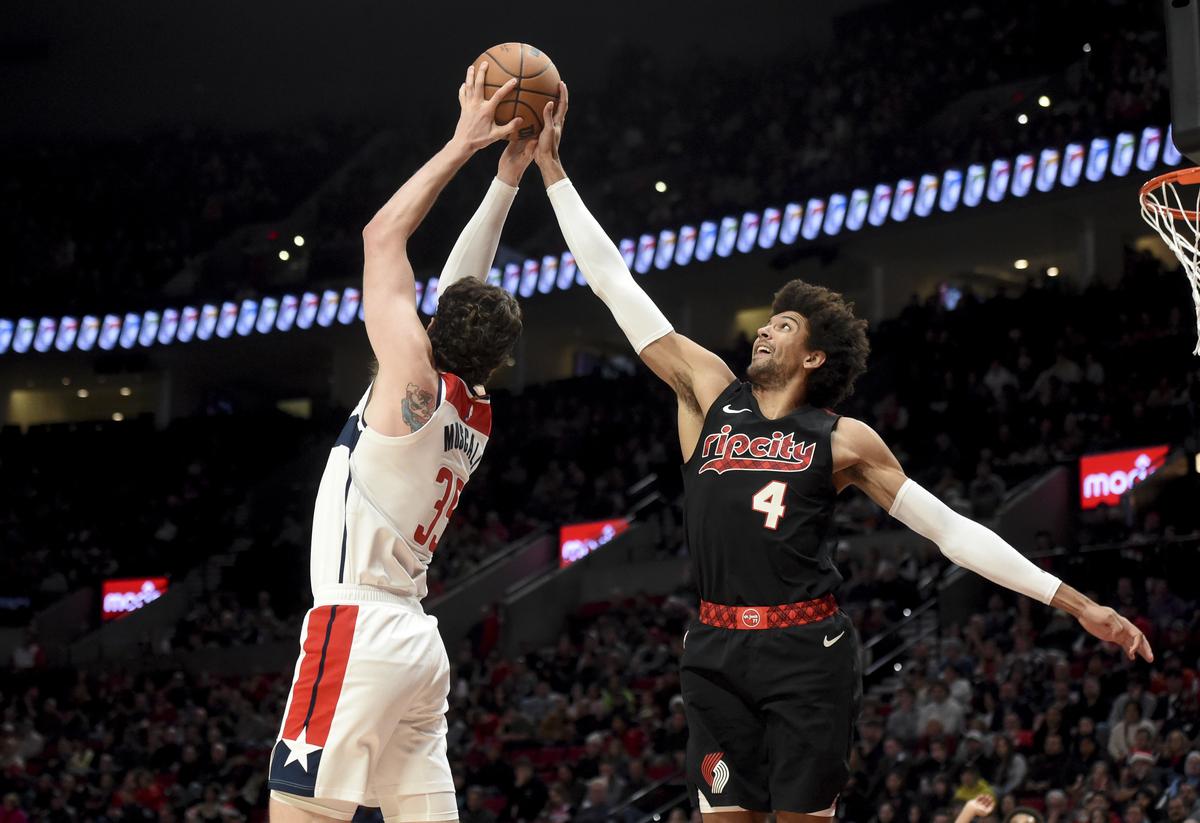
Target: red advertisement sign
578 540
120 597
1103 478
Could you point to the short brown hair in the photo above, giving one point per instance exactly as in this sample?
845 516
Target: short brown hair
833 329
474 330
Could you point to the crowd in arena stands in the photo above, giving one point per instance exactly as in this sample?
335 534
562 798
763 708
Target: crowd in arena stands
1020 704
902 88
81 502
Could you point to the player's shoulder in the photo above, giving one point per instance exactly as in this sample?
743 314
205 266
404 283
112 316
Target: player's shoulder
854 436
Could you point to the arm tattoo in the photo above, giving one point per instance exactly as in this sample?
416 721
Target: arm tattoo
417 406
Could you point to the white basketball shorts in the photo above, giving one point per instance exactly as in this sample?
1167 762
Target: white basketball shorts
366 716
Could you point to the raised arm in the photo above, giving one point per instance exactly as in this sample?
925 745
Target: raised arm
697 375
862 459
405 391
475 248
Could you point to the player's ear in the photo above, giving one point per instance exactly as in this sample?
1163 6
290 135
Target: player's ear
814 360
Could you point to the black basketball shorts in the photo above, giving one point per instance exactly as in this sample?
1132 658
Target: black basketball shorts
771 713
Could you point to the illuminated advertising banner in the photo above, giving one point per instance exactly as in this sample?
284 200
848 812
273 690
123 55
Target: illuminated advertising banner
247 317
227 321
549 278
1024 169
998 177
686 246
208 321
856 209
130 329
351 302
530 272
727 236
289 308
577 540
149 333
47 328
1170 154
189 321
881 203
927 192
68 328
169 326
89 333
512 277
307 313
329 308
793 214
835 214
1103 478
1123 151
747 232
1047 172
1088 160
122 597
645 253
267 314
902 204
1097 159
666 249
974 185
628 249
769 232
814 216
1072 168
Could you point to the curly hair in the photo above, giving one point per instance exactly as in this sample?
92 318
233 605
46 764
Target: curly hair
833 329
474 330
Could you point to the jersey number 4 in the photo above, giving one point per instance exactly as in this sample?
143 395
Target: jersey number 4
427 535
769 500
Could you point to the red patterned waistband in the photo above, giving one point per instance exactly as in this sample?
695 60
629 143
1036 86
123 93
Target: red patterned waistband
768 617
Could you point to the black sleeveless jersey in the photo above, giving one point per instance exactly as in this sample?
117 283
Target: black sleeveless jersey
758 503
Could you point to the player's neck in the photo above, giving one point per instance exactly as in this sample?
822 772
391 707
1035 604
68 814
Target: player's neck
777 401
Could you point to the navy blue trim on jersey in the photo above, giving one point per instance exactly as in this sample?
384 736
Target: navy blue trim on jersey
345 525
349 434
312 701
348 438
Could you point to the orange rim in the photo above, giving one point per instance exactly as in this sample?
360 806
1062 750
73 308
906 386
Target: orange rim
1187 177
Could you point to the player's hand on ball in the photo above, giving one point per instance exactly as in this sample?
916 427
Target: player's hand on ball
554 115
1106 624
517 156
477 116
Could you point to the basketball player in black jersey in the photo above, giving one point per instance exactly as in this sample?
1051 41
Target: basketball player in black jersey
770 676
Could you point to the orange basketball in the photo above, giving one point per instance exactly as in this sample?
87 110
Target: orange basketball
537 82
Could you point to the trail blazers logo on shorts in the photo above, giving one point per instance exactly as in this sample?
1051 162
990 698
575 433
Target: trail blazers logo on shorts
715 772
733 451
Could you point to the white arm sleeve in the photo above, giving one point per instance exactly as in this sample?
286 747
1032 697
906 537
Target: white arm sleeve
475 248
971 545
601 263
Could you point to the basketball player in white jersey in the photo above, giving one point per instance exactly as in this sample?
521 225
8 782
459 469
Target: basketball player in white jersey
365 720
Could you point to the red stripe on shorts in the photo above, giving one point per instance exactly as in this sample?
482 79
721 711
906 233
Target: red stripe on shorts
322 670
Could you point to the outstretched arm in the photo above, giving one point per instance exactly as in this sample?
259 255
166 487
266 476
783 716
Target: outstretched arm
475 248
697 375
402 397
862 459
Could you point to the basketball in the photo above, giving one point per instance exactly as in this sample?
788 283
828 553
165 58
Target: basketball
537 82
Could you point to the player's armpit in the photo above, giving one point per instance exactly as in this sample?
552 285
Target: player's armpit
696 375
862 459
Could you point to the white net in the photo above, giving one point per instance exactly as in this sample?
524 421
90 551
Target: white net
1179 227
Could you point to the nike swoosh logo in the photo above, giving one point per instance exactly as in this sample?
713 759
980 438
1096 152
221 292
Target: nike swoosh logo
829 642
728 410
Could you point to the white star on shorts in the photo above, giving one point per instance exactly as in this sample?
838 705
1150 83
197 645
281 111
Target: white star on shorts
299 750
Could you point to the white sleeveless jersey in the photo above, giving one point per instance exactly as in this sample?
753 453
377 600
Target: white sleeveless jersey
384 502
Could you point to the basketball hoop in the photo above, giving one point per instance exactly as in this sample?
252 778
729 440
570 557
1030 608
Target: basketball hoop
1179 227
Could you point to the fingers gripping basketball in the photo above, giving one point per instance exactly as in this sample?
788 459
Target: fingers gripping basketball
537 83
